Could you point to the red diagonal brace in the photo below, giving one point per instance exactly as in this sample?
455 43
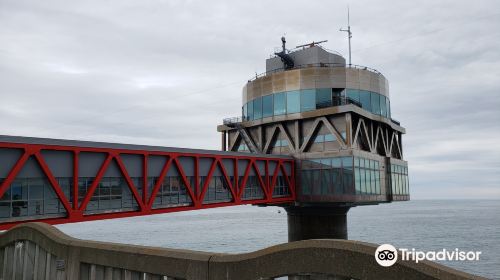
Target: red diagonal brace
130 184
53 182
186 183
230 184
273 182
290 186
156 187
207 180
245 178
13 173
262 184
96 181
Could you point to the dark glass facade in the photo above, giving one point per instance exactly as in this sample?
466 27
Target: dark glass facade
253 189
35 197
328 176
399 180
367 174
111 194
172 192
217 190
340 176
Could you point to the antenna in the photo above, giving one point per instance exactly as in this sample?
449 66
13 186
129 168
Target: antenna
349 34
283 43
312 44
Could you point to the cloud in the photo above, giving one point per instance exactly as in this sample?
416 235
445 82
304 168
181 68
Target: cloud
167 72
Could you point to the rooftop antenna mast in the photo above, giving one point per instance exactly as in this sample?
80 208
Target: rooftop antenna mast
349 34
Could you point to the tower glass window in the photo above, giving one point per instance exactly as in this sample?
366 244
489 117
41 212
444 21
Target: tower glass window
353 94
293 102
375 102
323 98
250 110
280 103
267 106
388 108
257 108
307 100
296 101
365 100
383 106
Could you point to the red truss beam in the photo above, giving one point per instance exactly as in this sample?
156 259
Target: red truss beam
75 212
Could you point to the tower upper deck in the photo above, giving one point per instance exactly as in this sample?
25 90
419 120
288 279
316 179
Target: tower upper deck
333 118
309 79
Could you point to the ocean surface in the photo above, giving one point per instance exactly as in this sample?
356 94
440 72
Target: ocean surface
469 225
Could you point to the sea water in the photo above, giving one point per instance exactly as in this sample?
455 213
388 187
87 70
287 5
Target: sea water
425 225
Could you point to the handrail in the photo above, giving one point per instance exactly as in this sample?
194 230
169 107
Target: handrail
234 120
316 45
65 257
328 65
336 101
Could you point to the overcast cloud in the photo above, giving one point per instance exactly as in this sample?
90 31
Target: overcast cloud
167 72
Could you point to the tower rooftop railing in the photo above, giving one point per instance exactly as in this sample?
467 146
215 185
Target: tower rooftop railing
309 65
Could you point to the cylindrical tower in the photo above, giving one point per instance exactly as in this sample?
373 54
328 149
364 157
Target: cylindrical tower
335 120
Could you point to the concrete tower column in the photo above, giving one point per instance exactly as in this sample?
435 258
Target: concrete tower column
316 222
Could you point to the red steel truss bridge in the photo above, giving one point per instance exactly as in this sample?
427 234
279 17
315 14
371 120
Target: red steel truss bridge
64 181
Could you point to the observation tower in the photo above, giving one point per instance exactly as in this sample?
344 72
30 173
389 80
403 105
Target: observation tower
335 120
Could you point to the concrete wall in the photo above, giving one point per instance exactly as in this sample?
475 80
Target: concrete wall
316 77
62 257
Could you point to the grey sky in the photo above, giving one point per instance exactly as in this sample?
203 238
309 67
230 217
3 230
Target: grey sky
167 72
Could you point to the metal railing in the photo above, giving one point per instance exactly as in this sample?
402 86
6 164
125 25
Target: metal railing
336 101
395 121
40 251
234 120
319 65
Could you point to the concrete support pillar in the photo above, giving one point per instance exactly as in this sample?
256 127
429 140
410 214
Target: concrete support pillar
316 222
224 143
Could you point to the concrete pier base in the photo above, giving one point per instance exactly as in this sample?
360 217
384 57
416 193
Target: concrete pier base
316 222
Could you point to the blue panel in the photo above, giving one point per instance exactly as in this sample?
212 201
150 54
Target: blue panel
133 164
293 102
267 106
60 162
323 98
250 110
279 103
320 138
8 157
388 107
307 100
330 137
383 106
375 102
353 94
257 108
347 162
336 162
89 163
365 100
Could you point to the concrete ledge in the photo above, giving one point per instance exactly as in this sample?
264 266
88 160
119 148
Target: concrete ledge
345 258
